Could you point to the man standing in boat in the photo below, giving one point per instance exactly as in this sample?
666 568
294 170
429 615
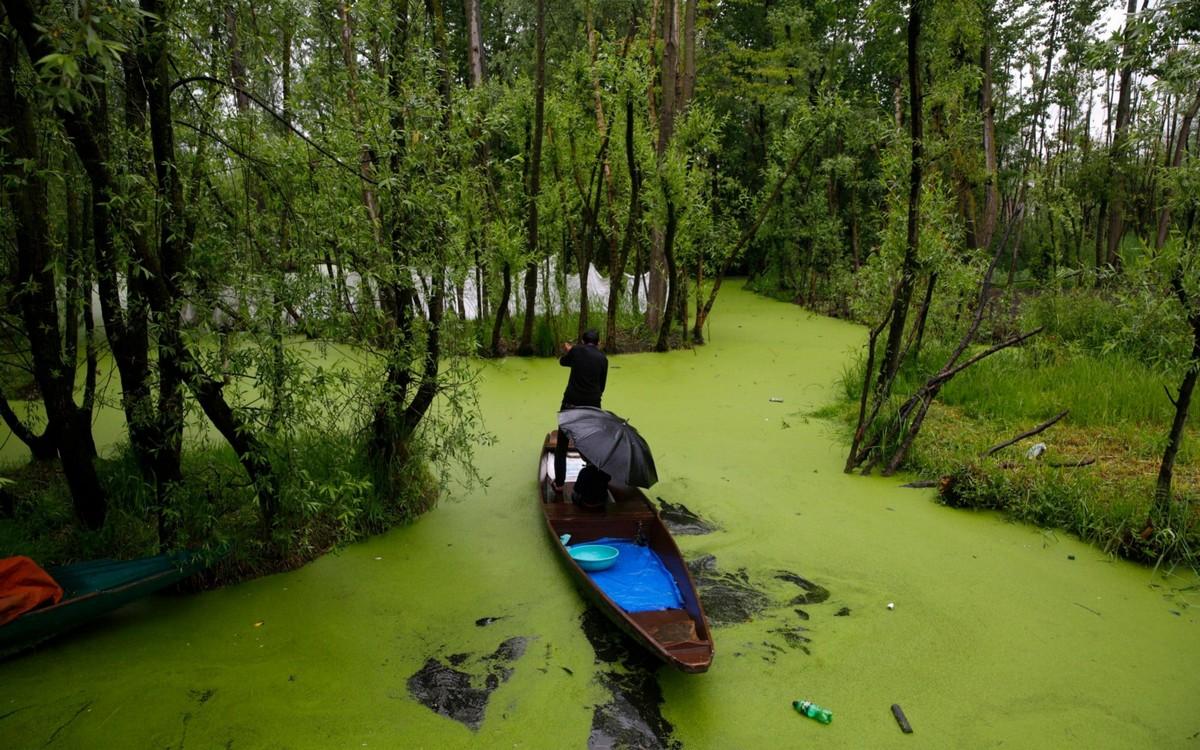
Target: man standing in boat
585 387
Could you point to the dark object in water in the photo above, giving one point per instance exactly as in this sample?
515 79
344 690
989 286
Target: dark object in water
483 622
92 589
449 692
456 694
901 719
843 612
632 717
681 521
679 636
921 484
814 593
730 597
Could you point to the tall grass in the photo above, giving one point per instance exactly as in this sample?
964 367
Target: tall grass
1040 381
1119 418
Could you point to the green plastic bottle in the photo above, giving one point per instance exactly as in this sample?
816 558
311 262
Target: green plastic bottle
813 711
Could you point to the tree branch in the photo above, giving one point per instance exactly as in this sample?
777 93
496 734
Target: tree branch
1030 433
280 118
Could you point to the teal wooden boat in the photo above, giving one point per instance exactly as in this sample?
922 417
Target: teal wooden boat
95 588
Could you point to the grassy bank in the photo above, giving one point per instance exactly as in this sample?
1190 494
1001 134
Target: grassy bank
1096 477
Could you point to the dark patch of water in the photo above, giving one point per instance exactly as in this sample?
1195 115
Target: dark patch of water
449 692
609 643
843 612
681 521
510 650
814 593
483 622
728 598
735 597
794 636
461 695
202 696
632 717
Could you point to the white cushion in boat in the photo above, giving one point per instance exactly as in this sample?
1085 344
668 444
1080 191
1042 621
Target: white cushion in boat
574 466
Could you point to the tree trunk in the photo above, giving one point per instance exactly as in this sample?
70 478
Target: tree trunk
125 327
535 182
365 162
890 363
502 309
1116 217
36 287
991 193
1162 490
177 362
668 316
1164 214
475 55
657 286
617 269
688 82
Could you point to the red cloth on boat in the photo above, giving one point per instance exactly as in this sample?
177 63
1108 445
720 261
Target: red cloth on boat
24 586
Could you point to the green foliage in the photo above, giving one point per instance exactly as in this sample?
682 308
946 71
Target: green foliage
1139 318
327 501
545 343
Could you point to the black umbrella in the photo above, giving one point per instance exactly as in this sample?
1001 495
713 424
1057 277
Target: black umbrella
609 443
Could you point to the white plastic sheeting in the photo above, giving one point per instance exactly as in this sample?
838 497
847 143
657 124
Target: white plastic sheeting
319 301
597 286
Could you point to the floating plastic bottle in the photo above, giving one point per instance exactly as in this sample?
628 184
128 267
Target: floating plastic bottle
813 711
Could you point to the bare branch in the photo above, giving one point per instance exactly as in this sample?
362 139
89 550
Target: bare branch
1027 434
267 108
1073 464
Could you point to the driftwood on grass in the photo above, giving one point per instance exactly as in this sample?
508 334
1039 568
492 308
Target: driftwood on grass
1072 464
1027 434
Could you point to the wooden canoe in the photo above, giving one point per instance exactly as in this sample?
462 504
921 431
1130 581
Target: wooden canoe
680 637
94 588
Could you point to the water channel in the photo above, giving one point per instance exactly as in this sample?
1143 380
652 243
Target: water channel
462 630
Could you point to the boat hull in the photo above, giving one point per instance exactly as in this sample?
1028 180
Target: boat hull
93 589
679 636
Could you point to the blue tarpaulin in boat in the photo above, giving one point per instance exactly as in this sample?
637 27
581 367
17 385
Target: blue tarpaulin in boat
638 582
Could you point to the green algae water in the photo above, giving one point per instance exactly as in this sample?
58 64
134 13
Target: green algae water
463 630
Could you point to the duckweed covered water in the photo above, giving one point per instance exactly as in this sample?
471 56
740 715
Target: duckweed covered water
464 631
